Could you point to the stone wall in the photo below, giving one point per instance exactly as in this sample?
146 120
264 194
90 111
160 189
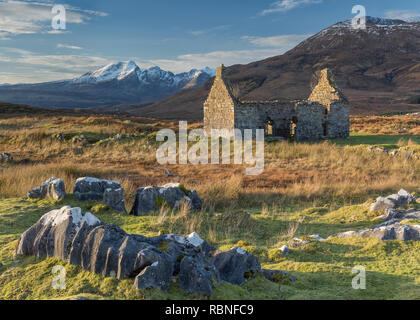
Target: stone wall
310 119
338 121
219 108
257 115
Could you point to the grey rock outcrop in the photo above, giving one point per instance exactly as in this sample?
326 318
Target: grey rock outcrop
152 198
109 192
53 188
82 239
401 199
392 229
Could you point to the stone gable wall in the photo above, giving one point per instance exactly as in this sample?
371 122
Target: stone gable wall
219 108
326 91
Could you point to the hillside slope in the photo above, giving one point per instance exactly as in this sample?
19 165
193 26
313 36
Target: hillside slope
377 68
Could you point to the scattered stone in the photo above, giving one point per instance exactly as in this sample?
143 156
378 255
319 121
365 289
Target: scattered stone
297 242
392 229
277 275
400 152
393 214
53 188
317 237
285 250
401 199
82 239
172 195
109 192
396 231
6 157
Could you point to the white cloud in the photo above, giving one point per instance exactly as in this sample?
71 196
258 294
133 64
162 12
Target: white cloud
286 5
66 46
287 41
211 59
48 67
210 30
28 17
406 15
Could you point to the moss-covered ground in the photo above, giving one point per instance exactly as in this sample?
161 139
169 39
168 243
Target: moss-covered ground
323 269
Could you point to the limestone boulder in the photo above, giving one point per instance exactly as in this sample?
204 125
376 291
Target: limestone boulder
395 231
172 195
92 189
401 199
236 265
53 188
82 239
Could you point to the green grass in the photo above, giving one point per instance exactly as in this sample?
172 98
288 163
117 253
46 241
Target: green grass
323 269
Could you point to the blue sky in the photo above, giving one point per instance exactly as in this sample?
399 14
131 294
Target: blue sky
175 35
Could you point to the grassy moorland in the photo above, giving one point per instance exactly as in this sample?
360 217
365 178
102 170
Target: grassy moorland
307 188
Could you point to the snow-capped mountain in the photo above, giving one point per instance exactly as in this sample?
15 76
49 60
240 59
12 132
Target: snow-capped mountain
123 70
116 83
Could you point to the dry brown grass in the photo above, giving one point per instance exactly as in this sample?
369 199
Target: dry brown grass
294 172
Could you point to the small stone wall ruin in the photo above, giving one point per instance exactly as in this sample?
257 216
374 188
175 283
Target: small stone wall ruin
324 115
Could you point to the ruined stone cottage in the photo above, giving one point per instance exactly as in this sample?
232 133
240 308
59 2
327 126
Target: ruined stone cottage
324 115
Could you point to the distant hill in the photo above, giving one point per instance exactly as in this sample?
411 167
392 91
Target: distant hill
114 84
377 68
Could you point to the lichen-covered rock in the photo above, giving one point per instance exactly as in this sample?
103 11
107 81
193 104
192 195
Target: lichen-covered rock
401 199
109 192
82 239
172 195
53 188
236 265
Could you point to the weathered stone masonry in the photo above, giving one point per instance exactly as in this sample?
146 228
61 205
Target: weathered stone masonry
324 115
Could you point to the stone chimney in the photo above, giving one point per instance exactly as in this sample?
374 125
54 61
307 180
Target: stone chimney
219 71
326 91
